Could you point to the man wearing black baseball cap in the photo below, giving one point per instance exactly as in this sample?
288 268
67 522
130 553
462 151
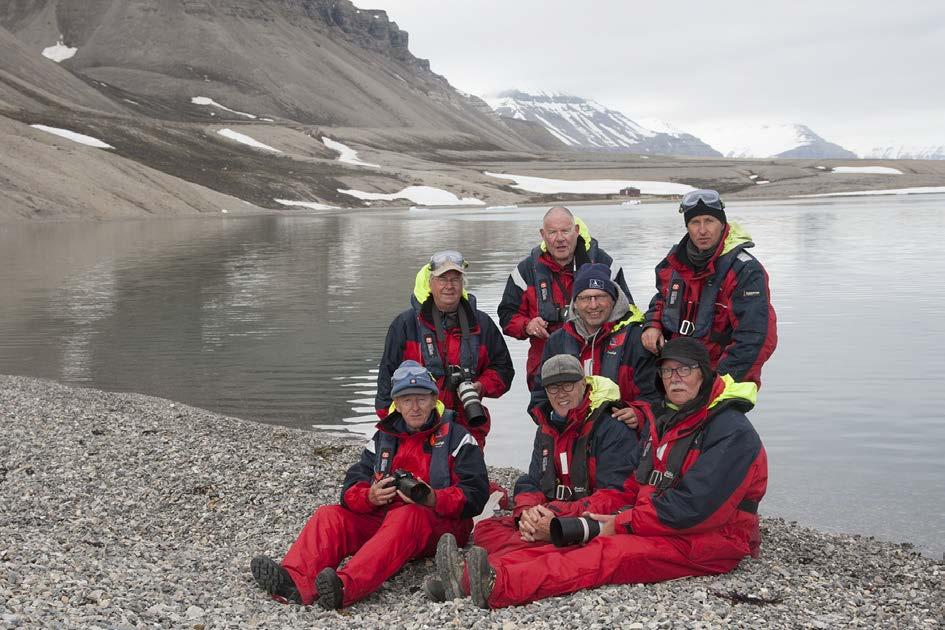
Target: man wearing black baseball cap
711 289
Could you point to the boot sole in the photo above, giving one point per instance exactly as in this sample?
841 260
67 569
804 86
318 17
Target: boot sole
477 565
272 578
449 566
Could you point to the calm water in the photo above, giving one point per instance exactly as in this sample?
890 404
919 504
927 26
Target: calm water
282 319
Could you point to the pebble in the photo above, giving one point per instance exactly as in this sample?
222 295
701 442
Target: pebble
126 511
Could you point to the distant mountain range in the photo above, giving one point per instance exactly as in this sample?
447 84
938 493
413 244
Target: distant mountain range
584 124
901 152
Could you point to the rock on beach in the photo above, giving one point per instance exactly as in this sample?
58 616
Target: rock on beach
128 511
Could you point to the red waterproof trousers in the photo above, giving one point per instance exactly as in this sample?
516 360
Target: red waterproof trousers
542 571
380 543
499 535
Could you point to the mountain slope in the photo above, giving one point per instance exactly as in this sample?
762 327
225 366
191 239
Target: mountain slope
771 140
321 62
585 124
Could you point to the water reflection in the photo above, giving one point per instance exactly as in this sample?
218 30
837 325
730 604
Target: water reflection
282 319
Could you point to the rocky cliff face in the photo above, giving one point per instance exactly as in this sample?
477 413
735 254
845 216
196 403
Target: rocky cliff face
323 62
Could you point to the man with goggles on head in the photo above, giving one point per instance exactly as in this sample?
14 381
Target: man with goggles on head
460 345
711 289
538 291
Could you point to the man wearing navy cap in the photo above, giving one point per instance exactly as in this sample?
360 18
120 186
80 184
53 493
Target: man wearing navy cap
377 524
604 332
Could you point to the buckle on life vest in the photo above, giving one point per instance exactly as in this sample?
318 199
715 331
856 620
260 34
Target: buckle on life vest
660 480
563 493
686 327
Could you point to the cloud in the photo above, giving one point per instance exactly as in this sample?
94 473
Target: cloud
826 64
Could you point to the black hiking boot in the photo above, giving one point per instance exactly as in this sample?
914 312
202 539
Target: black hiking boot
481 576
331 592
433 589
449 567
275 580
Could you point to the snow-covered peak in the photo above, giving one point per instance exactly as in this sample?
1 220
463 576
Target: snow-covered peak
585 124
906 152
765 140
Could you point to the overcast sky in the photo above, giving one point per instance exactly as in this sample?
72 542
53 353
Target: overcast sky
859 73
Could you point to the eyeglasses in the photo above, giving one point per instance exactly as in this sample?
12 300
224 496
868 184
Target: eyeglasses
587 299
709 198
439 259
567 388
406 371
682 371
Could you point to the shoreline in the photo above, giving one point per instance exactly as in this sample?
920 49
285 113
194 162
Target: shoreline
125 510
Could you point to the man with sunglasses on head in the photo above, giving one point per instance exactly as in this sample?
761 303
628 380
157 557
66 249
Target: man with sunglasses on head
538 291
420 476
710 288
460 345
580 462
604 332
689 509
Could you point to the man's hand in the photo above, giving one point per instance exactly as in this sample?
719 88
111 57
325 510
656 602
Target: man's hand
652 339
537 327
629 416
607 523
430 500
535 524
382 491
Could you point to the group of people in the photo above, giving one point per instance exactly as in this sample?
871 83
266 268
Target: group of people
644 466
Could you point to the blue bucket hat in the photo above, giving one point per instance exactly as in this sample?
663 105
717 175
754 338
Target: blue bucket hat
412 378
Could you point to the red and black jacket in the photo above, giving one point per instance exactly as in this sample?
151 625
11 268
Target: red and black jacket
722 477
584 465
412 332
617 353
462 484
538 286
727 305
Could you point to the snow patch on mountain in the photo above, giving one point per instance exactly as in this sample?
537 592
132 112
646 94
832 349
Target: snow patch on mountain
591 186
59 52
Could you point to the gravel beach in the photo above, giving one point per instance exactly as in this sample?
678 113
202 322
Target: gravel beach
126 511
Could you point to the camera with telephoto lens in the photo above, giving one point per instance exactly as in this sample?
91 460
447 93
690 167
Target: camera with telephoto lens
410 486
460 379
571 531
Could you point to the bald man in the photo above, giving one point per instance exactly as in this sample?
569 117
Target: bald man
538 291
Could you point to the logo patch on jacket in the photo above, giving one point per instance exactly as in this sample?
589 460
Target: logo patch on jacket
617 340
544 290
751 293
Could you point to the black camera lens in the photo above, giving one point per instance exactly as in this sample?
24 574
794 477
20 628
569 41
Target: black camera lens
410 486
571 531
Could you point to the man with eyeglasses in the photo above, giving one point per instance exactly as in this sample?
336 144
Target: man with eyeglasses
604 332
538 291
380 522
710 288
445 332
690 508
580 462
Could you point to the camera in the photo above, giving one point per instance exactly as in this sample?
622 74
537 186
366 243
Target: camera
570 531
410 486
460 379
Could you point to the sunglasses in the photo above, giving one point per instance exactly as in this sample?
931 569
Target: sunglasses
708 198
439 259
